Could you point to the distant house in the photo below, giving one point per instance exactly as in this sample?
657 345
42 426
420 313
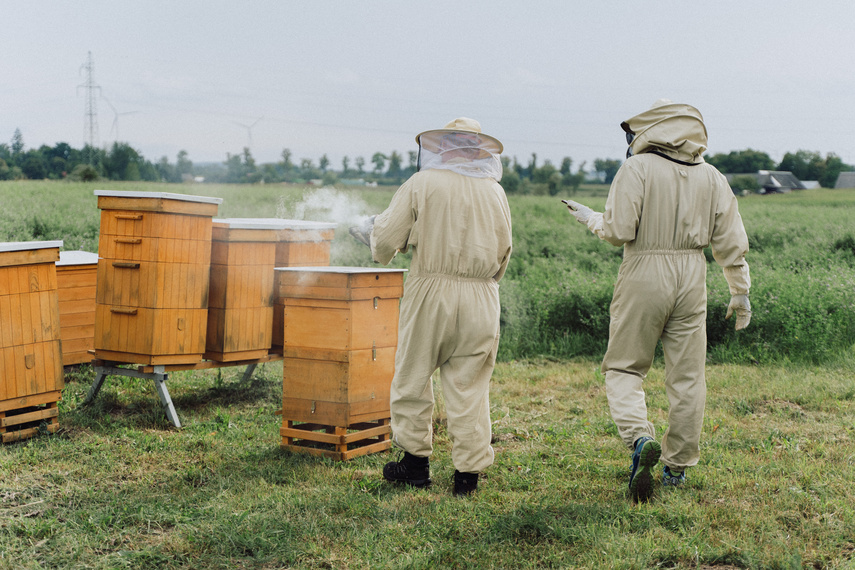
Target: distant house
770 181
845 180
777 181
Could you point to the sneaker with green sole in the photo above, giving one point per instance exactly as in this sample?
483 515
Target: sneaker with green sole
673 478
644 459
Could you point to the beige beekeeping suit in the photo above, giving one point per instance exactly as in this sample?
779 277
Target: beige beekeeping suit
457 225
664 206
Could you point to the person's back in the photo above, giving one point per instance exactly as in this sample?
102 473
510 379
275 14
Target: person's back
462 228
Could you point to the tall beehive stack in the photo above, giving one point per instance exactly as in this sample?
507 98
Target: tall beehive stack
153 276
340 333
240 302
31 375
300 243
76 275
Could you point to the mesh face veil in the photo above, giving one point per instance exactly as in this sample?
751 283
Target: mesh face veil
466 153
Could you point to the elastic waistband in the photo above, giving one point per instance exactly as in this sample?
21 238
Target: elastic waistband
451 277
638 253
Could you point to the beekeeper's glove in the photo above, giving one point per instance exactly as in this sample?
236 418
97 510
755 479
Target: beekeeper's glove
362 232
585 215
581 212
740 305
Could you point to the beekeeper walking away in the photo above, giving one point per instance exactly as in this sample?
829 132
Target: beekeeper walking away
453 217
664 207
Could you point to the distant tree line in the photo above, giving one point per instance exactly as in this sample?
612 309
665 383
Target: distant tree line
804 165
121 161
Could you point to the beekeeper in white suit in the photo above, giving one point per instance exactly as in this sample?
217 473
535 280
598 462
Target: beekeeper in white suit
664 207
453 216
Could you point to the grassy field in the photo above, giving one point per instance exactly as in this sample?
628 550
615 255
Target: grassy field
120 487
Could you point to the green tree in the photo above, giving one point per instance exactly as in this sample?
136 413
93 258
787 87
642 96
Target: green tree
608 167
554 183
573 181
166 172
308 170
531 168
834 165
5 171
123 162
345 166
543 174
379 160
741 161
183 165
394 170
17 147
805 165
324 163
360 165
745 182
510 181
287 165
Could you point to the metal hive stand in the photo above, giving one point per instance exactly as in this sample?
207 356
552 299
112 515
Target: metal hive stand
160 373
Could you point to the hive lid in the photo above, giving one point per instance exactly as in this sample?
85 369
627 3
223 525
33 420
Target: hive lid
29 245
342 269
281 223
77 258
161 195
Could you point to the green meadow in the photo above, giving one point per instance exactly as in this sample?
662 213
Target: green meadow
119 487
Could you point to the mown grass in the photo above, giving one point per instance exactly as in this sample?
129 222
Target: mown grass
119 487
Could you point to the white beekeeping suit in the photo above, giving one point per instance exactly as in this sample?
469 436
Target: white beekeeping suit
453 217
664 207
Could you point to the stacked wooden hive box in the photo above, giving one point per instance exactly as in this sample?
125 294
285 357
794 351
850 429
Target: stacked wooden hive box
76 276
240 302
153 277
340 333
31 375
300 243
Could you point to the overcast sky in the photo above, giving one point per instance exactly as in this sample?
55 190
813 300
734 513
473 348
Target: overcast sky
352 78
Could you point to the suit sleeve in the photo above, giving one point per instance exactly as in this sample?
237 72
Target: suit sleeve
391 232
729 241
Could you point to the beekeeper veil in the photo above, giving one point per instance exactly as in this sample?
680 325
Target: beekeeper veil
462 147
673 129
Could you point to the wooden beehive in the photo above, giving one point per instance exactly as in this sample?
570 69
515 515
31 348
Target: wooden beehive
153 276
31 375
301 243
240 300
340 333
76 275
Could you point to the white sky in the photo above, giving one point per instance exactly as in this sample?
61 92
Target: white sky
356 77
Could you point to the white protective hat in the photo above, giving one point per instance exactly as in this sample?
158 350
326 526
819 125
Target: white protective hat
464 125
462 147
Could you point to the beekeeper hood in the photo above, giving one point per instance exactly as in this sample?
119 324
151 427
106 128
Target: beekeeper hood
673 129
462 147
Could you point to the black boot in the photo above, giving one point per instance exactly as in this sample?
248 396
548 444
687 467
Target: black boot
412 470
464 483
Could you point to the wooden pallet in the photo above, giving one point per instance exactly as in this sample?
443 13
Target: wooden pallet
23 423
339 443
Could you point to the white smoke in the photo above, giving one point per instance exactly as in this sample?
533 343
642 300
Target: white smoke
326 205
333 206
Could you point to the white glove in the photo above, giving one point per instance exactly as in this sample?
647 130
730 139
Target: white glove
362 233
740 305
581 212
